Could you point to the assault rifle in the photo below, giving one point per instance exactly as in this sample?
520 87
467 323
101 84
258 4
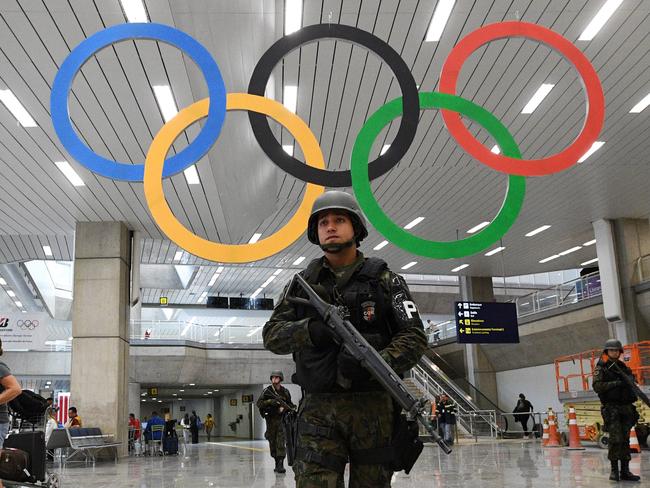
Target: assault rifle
357 346
631 383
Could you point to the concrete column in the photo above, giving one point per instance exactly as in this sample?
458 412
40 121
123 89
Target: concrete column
100 346
619 245
136 296
134 399
480 371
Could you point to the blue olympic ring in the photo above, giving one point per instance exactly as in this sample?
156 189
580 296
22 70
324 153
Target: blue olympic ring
127 171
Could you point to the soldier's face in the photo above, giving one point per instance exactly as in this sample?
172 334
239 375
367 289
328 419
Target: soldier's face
613 353
275 380
335 228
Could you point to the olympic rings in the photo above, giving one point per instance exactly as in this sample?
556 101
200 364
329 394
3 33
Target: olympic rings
533 167
439 250
229 253
408 124
27 324
79 55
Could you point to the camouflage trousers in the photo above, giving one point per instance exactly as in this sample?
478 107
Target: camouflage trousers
619 419
346 423
275 435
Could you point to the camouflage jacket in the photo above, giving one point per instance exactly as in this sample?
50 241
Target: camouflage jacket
270 400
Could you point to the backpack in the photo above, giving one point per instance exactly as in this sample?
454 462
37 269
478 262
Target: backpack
29 406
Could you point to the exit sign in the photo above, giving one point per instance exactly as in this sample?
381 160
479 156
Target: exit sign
163 301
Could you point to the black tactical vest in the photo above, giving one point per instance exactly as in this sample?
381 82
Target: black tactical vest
369 312
620 395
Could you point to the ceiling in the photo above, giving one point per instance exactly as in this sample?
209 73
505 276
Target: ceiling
242 192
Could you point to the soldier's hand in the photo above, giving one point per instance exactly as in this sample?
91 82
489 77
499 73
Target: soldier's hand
351 368
320 334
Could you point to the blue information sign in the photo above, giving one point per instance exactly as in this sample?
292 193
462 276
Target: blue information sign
486 323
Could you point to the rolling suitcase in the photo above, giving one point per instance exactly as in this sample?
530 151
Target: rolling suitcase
14 466
33 443
170 445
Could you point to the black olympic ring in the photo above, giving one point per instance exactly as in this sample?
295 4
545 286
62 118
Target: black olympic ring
408 124
27 324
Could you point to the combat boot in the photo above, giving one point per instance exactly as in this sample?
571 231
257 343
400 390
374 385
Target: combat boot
614 475
625 472
279 465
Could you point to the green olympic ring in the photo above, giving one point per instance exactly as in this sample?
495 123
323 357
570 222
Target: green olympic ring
512 202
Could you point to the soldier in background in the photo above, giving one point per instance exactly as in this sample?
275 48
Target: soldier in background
618 410
345 415
273 401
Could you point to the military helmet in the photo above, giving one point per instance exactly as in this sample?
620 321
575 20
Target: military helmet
337 200
613 344
278 373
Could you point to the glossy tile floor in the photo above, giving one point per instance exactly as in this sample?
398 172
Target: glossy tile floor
248 464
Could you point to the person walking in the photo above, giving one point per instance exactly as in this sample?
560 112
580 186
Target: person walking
209 425
522 413
185 425
194 427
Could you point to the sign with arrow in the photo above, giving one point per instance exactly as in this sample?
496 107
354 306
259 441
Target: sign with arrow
486 323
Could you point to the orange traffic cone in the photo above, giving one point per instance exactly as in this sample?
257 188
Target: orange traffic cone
545 434
574 432
553 435
634 442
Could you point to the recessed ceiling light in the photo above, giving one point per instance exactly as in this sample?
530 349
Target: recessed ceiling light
495 149
641 106
166 101
134 10
599 20
495 251
192 384
288 148
381 245
290 98
537 98
213 279
590 243
409 265
3 282
439 20
478 227
414 222
178 255
298 261
277 272
192 175
538 230
255 238
569 251
458 268
384 149
69 172
550 258
16 108
292 16
47 250
18 304
181 391
594 147
11 293
174 394
257 292
591 261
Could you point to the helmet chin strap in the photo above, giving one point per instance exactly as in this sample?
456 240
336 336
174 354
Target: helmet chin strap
338 247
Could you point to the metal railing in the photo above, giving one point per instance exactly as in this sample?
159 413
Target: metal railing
180 330
573 291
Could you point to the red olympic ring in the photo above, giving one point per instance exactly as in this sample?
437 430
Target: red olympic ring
524 167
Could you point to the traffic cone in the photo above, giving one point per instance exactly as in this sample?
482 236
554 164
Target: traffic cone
545 434
634 442
574 432
553 435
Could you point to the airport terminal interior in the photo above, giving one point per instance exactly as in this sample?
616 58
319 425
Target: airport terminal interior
464 183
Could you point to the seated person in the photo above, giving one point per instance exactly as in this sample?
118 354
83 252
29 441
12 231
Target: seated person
74 421
154 420
135 430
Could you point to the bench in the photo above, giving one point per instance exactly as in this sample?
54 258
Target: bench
88 442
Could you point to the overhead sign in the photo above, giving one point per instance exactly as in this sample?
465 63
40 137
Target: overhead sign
247 398
164 301
24 331
486 323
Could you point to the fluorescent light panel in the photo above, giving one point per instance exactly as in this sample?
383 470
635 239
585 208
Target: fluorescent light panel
166 101
409 265
292 16
69 172
251 333
178 255
458 268
381 245
478 227
590 243
3 282
495 149
256 292
213 280
298 261
192 175
290 97
569 251
495 251
11 293
591 261
439 20
414 222
47 250
550 258
255 238
537 98
277 272
538 230
16 108
288 148
641 106
134 10
594 147
599 20
18 304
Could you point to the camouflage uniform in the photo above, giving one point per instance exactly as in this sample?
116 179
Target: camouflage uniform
270 410
618 410
335 424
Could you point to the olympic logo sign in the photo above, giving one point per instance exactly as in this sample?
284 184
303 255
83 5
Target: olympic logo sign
27 324
313 171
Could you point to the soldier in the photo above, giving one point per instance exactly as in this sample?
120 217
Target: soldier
272 403
345 415
618 410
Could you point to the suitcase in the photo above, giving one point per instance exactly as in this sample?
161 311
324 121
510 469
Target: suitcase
33 443
14 465
170 445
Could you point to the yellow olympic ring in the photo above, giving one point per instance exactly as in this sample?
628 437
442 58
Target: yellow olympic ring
214 251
